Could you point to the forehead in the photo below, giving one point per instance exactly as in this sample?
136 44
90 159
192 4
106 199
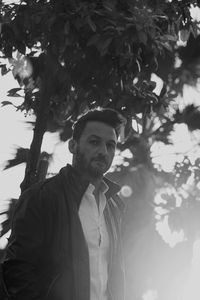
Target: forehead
99 129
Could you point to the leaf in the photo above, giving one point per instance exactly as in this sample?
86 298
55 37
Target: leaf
167 46
67 28
108 6
104 44
37 18
13 92
91 24
93 40
138 65
4 103
152 85
16 95
170 37
66 132
6 224
194 30
142 37
4 70
184 35
21 47
21 156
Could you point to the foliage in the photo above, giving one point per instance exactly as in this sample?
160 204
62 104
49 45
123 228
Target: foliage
70 56
5 225
182 205
101 48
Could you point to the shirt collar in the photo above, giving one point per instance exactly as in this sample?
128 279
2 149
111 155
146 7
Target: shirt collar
112 189
102 189
90 188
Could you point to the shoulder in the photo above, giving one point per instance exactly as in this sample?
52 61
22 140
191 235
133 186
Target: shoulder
47 184
40 194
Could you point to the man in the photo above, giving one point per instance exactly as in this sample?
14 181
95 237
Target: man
65 240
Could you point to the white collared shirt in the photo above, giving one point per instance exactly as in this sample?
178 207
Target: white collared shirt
96 235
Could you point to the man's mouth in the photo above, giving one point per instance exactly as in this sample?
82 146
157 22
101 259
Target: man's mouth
100 161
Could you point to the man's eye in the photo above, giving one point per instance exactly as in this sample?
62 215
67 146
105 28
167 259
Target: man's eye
94 142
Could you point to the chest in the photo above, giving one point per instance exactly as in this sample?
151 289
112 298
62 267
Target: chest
91 214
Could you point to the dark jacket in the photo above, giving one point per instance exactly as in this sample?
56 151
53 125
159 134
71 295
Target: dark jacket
47 255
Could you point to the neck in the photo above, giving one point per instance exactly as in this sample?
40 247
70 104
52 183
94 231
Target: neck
96 181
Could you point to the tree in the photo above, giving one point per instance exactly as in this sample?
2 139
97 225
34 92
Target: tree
76 55
101 50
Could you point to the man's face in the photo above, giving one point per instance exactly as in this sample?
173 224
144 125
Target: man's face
95 149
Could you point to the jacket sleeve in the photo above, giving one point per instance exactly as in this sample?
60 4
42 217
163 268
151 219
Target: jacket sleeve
24 248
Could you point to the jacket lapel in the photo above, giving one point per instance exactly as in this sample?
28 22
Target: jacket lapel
74 191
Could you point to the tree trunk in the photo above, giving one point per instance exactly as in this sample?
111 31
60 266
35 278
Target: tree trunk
31 171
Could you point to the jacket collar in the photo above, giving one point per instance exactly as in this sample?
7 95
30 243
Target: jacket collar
83 183
113 188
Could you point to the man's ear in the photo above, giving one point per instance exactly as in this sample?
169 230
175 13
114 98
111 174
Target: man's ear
72 145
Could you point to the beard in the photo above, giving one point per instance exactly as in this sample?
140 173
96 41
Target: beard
95 167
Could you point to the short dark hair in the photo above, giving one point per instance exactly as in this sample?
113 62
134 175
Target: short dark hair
105 115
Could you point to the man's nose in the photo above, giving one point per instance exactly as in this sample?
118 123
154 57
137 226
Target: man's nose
103 149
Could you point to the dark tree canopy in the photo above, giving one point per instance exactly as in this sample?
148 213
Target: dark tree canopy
96 50
72 55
